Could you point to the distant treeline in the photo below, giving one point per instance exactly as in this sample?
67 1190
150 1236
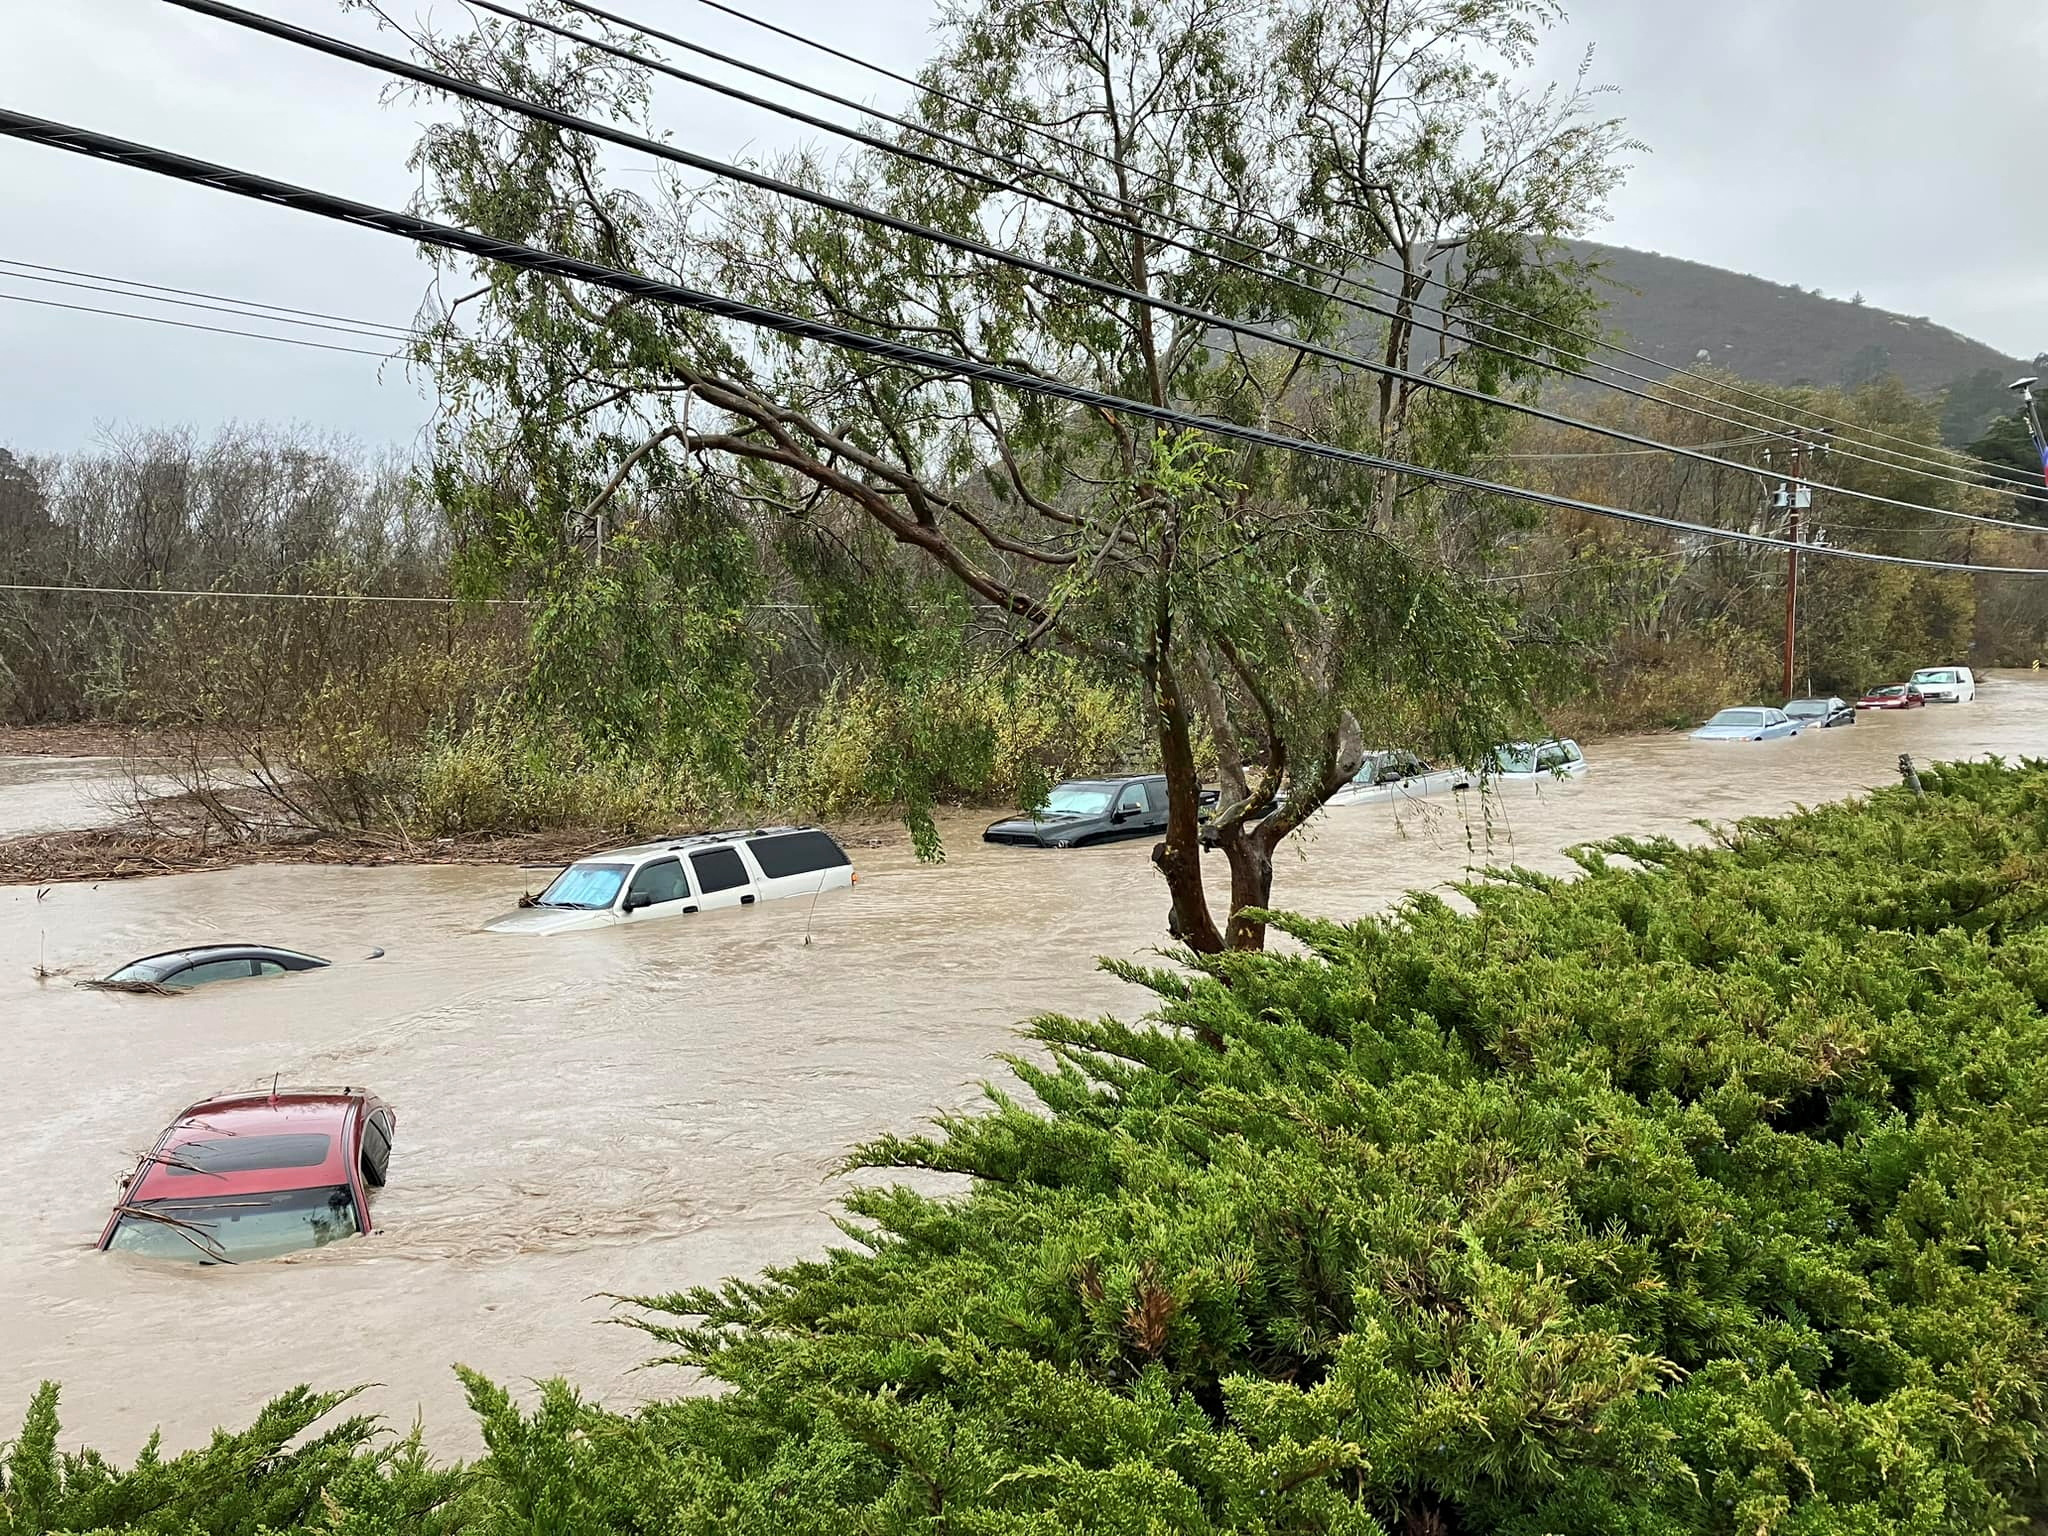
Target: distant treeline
608 690
621 686
248 510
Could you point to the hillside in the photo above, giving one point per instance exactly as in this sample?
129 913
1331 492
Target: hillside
1674 310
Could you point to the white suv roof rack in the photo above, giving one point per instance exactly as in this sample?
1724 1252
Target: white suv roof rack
731 834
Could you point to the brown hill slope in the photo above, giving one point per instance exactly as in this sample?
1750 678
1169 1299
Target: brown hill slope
1673 310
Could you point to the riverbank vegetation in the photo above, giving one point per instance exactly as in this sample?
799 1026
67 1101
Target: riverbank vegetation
379 728
1703 1193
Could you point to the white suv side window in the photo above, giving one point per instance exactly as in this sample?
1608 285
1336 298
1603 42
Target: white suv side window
718 869
659 882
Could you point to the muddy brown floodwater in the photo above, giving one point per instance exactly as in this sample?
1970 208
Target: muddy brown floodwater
56 794
633 1111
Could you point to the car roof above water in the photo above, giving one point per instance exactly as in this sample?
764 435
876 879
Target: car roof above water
692 840
226 949
172 959
303 1112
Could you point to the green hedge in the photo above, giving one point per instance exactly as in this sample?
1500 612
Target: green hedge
1705 1193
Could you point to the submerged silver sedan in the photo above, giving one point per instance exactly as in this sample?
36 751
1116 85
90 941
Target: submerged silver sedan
1748 723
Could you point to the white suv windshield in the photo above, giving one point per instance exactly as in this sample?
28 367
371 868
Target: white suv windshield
1934 675
585 887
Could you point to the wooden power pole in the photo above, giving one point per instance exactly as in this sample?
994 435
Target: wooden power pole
1798 496
1792 490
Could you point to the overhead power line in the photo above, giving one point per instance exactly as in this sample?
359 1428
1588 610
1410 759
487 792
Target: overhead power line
246 184
194 325
325 597
224 307
1156 179
1632 453
57 274
456 85
291 597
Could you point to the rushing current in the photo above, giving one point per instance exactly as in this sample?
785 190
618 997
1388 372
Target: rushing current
633 1110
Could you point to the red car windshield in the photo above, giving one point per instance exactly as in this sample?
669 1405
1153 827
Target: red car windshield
233 1229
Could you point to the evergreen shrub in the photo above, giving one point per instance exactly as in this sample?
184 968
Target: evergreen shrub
1706 1193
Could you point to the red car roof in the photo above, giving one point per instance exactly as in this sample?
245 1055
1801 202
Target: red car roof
258 1121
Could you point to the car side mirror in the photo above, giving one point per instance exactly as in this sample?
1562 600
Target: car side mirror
1390 776
635 900
1119 815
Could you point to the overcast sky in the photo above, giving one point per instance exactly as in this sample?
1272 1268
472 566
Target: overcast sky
1888 146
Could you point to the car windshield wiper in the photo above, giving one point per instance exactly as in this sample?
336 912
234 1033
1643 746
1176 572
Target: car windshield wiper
205 1241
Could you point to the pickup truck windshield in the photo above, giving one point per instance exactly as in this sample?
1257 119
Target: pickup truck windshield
585 887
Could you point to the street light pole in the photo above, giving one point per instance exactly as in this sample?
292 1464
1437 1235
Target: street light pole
2024 388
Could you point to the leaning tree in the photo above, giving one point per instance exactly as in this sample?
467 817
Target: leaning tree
1272 611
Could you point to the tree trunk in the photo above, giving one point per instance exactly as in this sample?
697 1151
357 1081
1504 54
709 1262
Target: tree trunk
1179 857
1251 885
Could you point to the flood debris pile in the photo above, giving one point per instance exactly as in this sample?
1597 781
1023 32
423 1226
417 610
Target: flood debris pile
1705 1193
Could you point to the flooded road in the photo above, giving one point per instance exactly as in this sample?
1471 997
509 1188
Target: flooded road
638 1110
55 794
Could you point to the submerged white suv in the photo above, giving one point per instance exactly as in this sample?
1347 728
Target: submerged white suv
680 875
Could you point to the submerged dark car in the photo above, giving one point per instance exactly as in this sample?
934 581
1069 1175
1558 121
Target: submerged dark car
1822 712
1088 811
179 970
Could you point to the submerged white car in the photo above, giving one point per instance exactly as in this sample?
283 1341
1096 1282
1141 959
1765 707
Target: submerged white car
1749 723
1402 776
1398 776
1524 762
682 875
1947 685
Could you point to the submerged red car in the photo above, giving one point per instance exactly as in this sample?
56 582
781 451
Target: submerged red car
254 1175
1898 696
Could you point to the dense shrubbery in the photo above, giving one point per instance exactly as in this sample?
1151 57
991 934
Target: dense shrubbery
994 734
701 670
1706 1193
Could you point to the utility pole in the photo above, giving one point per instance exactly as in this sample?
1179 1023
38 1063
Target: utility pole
1792 563
1795 495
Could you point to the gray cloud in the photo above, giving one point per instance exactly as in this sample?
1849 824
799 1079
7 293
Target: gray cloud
1876 145
1886 146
